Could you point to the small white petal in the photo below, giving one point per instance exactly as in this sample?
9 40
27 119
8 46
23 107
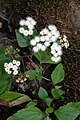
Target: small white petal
56 55
27 23
52 27
53 51
37 39
33 22
18 63
54 45
45 31
25 33
9 72
15 67
42 33
43 48
47 44
56 59
39 45
22 22
53 39
21 30
59 52
49 34
14 61
47 38
33 42
30 32
29 19
7 69
10 65
57 34
35 49
42 38
30 27
15 72
5 64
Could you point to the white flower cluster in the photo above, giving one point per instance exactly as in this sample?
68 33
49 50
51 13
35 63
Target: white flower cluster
56 51
64 42
12 67
27 26
48 38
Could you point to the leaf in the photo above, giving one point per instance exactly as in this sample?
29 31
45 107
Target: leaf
39 73
56 93
22 40
68 112
5 82
42 93
10 98
32 74
29 113
48 101
47 118
44 57
58 74
32 103
49 110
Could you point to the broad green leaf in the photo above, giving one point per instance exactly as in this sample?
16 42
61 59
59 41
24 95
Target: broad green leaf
22 40
48 101
5 82
56 93
58 74
68 112
32 74
44 57
32 103
39 73
42 93
11 99
29 113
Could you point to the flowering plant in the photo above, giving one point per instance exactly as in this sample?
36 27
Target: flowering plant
27 67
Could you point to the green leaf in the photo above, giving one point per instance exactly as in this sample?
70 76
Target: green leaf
44 57
30 113
22 40
56 93
39 73
48 101
32 103
58 74
5 82
68 112
32 74
49 110
47 118
42 93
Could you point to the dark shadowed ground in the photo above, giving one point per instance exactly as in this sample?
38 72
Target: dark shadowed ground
66 15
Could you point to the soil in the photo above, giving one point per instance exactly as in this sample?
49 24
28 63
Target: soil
65 14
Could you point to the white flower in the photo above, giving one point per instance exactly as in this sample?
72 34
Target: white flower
27 23
57 34
37 39
15 67
29 19
42 38
9 72
53 32
33 22
15 72
22 22
18 63
25 33
21 30
53 51
35 49
14 61
33 42
52 27
39 45
47 44
47 38
41 33
30 32
43 48
10 65
56 54
30 27
53 39
56 59
45 31
49 34
59 52
66 45
5 64
54 45
6 69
